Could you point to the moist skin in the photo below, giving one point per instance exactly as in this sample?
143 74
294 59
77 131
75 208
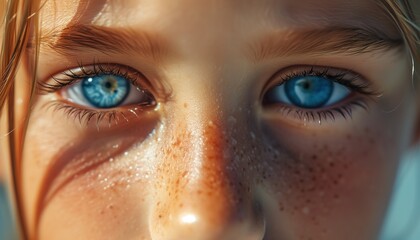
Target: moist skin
210 161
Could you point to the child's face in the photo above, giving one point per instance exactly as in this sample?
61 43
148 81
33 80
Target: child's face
274 119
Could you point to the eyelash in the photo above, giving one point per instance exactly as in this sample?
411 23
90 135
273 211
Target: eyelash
84 115
347 78
72 76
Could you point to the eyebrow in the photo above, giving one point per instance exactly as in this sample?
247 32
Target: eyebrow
335 40
81 38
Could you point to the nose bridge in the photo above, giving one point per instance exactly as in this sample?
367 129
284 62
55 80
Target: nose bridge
200 193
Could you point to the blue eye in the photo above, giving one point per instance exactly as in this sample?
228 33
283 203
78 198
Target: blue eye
307 92
105 91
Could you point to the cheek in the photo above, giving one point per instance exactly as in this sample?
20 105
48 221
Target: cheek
112 207
85 181
320 175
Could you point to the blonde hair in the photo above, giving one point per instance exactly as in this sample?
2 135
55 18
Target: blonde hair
19 20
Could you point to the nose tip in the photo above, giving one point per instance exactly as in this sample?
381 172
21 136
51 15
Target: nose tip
207 217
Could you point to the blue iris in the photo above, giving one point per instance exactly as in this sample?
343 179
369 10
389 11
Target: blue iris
105 90
309 91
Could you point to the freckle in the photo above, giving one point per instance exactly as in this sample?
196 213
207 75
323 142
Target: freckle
305 210
185 105
314 157
281 207
160 216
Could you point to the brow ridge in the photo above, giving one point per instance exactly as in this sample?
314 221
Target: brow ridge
80 38
334 40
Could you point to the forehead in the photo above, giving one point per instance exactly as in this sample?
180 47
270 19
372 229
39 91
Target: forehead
166 14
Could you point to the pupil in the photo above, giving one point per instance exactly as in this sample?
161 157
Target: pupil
111 85
306 85
108 84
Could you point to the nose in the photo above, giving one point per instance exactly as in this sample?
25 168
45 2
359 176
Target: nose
202 190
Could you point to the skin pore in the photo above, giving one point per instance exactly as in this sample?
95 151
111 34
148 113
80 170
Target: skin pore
202 155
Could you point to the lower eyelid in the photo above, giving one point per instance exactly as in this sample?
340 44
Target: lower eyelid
103 119
341 111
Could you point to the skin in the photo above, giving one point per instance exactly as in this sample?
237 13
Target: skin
210 160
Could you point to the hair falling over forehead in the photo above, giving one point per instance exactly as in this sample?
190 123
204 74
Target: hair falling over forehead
19 20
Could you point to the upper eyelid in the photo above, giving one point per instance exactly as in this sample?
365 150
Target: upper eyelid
343 76
357 83
114 69
72 75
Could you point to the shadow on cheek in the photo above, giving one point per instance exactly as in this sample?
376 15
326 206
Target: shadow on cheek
84 155
322 173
